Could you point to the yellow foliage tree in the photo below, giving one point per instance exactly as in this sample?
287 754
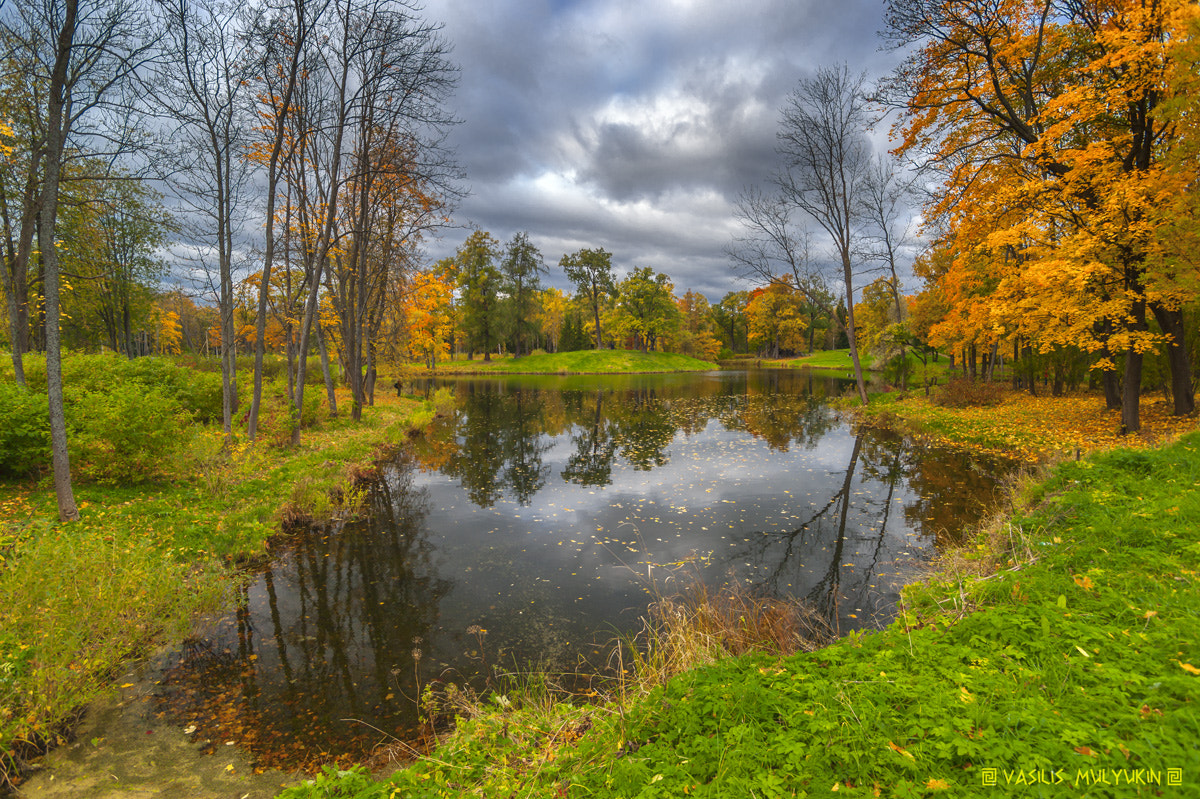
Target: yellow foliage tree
775 318
427 310
1048 124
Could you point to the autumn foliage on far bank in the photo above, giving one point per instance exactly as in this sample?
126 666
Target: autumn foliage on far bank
1063 138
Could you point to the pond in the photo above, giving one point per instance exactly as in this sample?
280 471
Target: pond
537 525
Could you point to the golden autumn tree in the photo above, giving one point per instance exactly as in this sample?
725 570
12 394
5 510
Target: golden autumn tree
1046 122
775 318
696 334
428 312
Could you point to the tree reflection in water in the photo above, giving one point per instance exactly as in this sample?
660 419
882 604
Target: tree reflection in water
540 514
331 629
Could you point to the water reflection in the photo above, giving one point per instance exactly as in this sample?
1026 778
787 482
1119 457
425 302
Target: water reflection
546 513
326 637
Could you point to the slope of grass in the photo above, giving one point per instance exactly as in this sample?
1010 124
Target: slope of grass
581 362
1057 654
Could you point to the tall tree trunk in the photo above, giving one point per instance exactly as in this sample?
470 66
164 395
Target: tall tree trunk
1131 387
298 39
55 144
16 267
330 389
848 276
1171 322
1016 372
310 314
1131 390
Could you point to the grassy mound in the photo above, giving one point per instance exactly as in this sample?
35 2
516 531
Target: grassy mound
582 362
1057 654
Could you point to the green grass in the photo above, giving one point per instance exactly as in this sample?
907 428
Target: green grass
839 361
1056 654
581 362
79 600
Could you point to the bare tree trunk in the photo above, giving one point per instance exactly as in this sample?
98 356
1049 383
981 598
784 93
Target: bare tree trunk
297 41
1131 386
17 266
330 389
55 144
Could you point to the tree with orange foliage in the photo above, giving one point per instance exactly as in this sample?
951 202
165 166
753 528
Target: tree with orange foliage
427 312
1046 121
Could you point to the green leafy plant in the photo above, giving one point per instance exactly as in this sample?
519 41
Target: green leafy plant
127 434
24 430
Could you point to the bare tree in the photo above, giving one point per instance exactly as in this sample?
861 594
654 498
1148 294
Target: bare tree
774 249
283 37
20 188
201 86
85 53
828 157
884 206
396 122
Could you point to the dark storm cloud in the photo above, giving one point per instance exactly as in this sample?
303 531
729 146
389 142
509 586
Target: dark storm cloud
630 125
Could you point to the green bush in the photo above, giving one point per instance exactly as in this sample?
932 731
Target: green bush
196 392
24 430
124 435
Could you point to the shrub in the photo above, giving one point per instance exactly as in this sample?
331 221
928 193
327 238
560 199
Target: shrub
196 391
443 402
125 435
24 430
275 416
962 393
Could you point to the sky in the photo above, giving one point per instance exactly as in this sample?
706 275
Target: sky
633 125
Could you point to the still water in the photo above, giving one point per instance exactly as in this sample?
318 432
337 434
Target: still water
536 526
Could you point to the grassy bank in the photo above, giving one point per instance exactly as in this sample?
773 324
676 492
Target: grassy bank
839 362
78 601
580 362
1015 424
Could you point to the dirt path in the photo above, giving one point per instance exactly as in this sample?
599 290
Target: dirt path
124 750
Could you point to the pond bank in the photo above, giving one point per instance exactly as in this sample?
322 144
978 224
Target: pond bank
151 557
1020 426
575 363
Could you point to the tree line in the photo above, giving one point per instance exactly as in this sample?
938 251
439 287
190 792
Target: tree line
1058 143
300 140
1049 148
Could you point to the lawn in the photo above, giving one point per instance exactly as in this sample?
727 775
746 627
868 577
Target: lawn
580 362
